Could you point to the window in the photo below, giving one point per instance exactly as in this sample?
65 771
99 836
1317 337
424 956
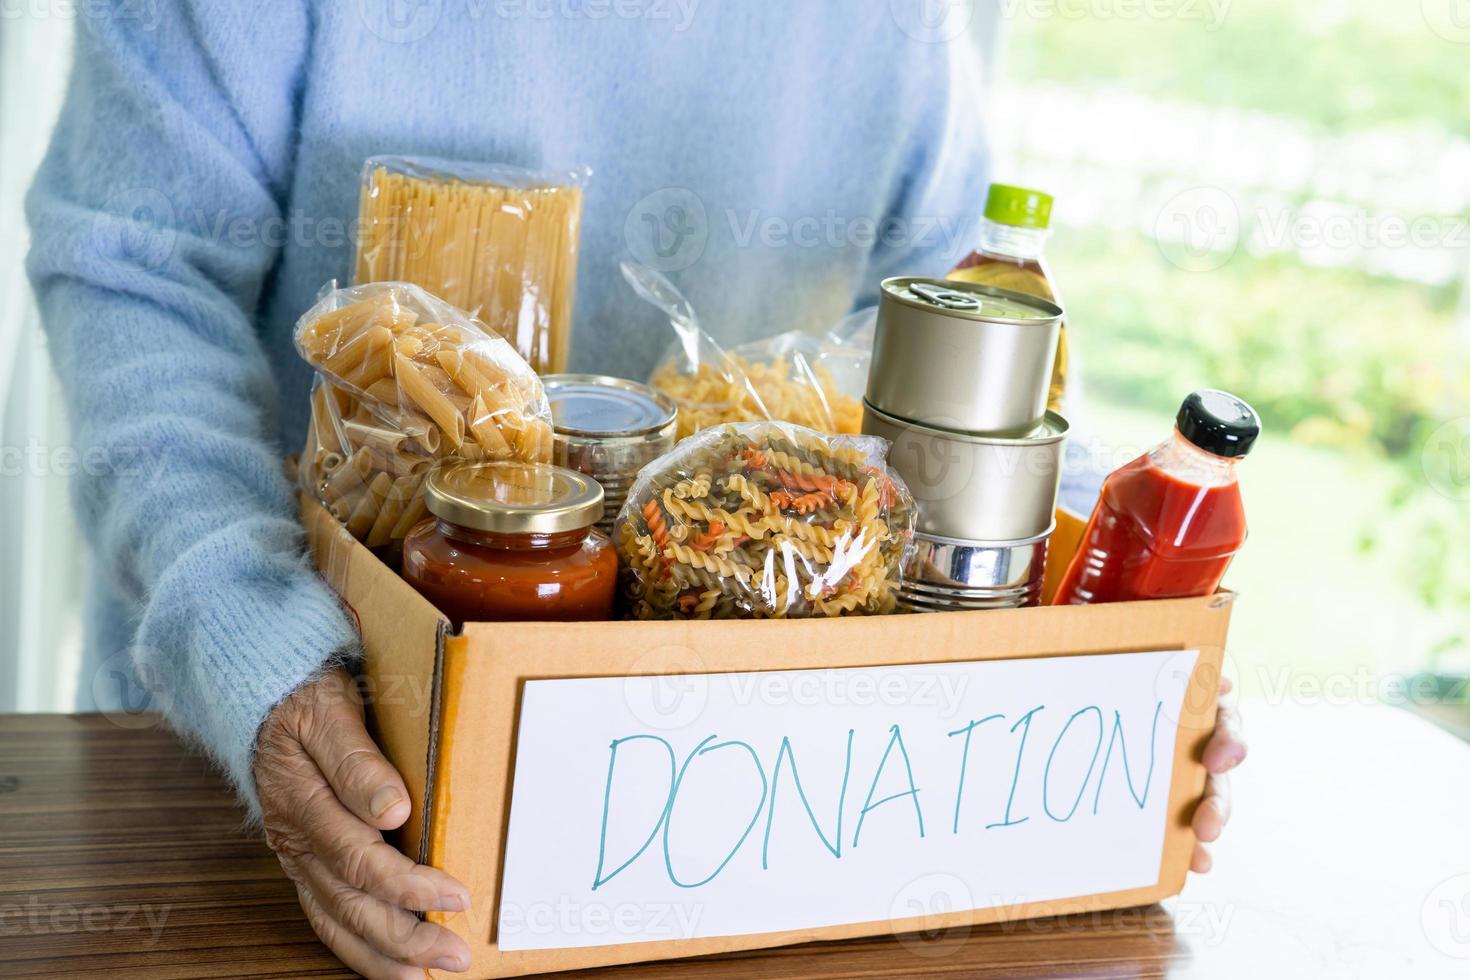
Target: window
1301 239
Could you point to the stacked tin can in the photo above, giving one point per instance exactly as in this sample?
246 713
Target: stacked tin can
958 384
609 429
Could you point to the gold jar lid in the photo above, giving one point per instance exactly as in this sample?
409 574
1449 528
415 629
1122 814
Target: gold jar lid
513 498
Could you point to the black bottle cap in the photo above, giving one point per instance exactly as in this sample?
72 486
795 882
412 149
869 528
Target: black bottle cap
1218 423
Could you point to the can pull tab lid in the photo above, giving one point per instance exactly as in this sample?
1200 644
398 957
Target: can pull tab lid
950 299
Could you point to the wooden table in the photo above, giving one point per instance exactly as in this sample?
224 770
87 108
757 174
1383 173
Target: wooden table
122 855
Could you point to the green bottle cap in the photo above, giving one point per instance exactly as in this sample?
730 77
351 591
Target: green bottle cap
1018 206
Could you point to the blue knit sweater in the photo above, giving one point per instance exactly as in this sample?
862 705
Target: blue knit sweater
777 160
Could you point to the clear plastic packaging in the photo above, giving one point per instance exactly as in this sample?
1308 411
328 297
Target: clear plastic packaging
765 519
404 379
796 377
807 380
497 241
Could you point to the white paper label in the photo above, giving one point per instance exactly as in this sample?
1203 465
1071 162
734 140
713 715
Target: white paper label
689 806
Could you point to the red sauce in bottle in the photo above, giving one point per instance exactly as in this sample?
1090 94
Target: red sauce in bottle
1168 524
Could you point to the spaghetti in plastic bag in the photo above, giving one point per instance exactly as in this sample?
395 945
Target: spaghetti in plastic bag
795 377
498 241
765 519
404 379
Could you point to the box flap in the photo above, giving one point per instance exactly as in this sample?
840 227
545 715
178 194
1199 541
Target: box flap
403 637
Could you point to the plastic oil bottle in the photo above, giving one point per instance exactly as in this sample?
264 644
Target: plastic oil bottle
1013 234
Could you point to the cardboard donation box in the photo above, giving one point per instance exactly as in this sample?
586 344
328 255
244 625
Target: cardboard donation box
629 791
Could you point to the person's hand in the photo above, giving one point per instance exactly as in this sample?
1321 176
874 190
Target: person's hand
1225 751
326 792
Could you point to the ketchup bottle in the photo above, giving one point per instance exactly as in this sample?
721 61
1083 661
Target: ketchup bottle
1168 523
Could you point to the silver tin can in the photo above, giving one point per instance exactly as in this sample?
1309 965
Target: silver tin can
946 575
976 487
608 428
963 356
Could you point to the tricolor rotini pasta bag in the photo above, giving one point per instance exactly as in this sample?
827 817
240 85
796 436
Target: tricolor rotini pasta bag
403 379
765 520
796 377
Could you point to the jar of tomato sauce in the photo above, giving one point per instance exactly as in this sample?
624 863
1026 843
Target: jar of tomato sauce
512 541
1168 523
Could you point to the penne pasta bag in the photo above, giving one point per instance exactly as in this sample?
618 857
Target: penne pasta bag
805 379
765 520
498 241
404 379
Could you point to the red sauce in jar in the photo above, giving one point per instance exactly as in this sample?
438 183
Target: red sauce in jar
512 541
480 576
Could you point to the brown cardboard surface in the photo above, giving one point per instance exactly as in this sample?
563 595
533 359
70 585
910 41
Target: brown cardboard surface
401 634
469 775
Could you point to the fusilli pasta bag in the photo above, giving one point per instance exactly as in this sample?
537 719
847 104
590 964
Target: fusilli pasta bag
807 380
403 379
765 520
794 377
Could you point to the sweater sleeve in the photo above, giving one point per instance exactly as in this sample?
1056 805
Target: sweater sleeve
156 217
933 221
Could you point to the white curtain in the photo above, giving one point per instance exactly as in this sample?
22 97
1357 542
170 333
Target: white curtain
41 564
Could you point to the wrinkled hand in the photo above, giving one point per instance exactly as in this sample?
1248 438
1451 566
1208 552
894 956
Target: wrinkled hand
1224 752
326 792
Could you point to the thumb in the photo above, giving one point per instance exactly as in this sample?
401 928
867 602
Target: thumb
338 742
